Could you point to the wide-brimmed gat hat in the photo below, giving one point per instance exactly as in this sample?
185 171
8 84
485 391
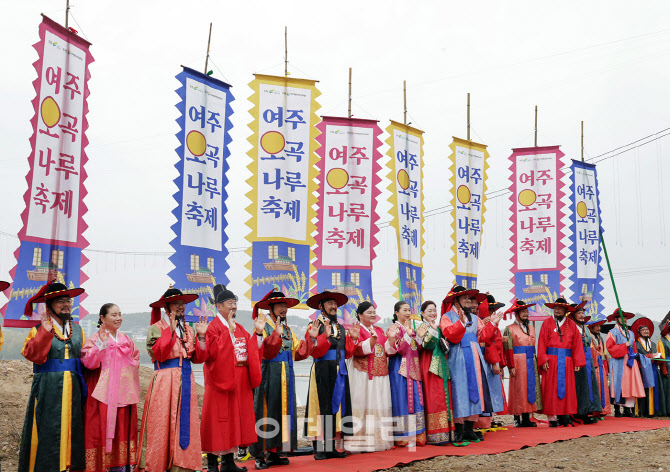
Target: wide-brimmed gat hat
315 300
493 304
641 323
518 305
272 298
664 327
50 291
458 291
578 307
172 295
616 315
560 302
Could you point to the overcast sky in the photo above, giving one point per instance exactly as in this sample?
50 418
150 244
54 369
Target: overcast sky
602 62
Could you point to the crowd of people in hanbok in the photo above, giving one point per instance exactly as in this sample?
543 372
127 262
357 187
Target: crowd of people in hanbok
436 380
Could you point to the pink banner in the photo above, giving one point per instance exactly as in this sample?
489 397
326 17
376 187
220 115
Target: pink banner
346 238
537 226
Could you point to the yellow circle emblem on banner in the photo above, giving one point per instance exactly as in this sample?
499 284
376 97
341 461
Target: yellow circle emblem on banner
582 210
337 178
403 179
273 142
50 112
196 143
527 197
463 194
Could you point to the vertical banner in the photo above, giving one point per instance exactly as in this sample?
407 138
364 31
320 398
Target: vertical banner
349 165
283 185
468 184
406 175
51 238
537 225
587 278
200 231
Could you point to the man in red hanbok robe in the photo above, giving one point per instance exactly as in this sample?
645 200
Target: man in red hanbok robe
232 370
559 354
486 306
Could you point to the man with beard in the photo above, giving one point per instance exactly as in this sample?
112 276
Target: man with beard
525 396
626 381
53 430
328 397
169 439
586 381
652 404
559 355
275 398
465 333
601 364
232 370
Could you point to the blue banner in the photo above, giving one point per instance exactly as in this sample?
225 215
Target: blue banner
586 281
200 257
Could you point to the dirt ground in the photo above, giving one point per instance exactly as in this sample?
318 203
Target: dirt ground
642 451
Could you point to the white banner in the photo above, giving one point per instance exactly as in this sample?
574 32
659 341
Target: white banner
53 209
283 162
537 211
469 185
204 132
347 199
407 155
587 232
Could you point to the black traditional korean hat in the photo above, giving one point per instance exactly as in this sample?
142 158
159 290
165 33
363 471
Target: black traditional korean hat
272 298
4 285
315 301
616 315
50 291
641 323
221 294
560 302
170 296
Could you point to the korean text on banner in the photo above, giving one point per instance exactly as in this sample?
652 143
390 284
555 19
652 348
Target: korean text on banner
407 208
51 238
587 277
537 226
349 180
200 258
468 183
283 183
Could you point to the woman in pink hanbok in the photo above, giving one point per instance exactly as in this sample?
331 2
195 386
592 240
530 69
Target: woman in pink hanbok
110 415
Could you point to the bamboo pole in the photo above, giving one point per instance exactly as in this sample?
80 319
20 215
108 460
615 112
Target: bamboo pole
209 40
535 125
349 92
468 116
285 51
404 101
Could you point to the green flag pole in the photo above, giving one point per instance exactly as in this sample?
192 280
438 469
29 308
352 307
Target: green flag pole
607 259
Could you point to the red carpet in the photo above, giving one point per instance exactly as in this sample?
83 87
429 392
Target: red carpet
495 442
